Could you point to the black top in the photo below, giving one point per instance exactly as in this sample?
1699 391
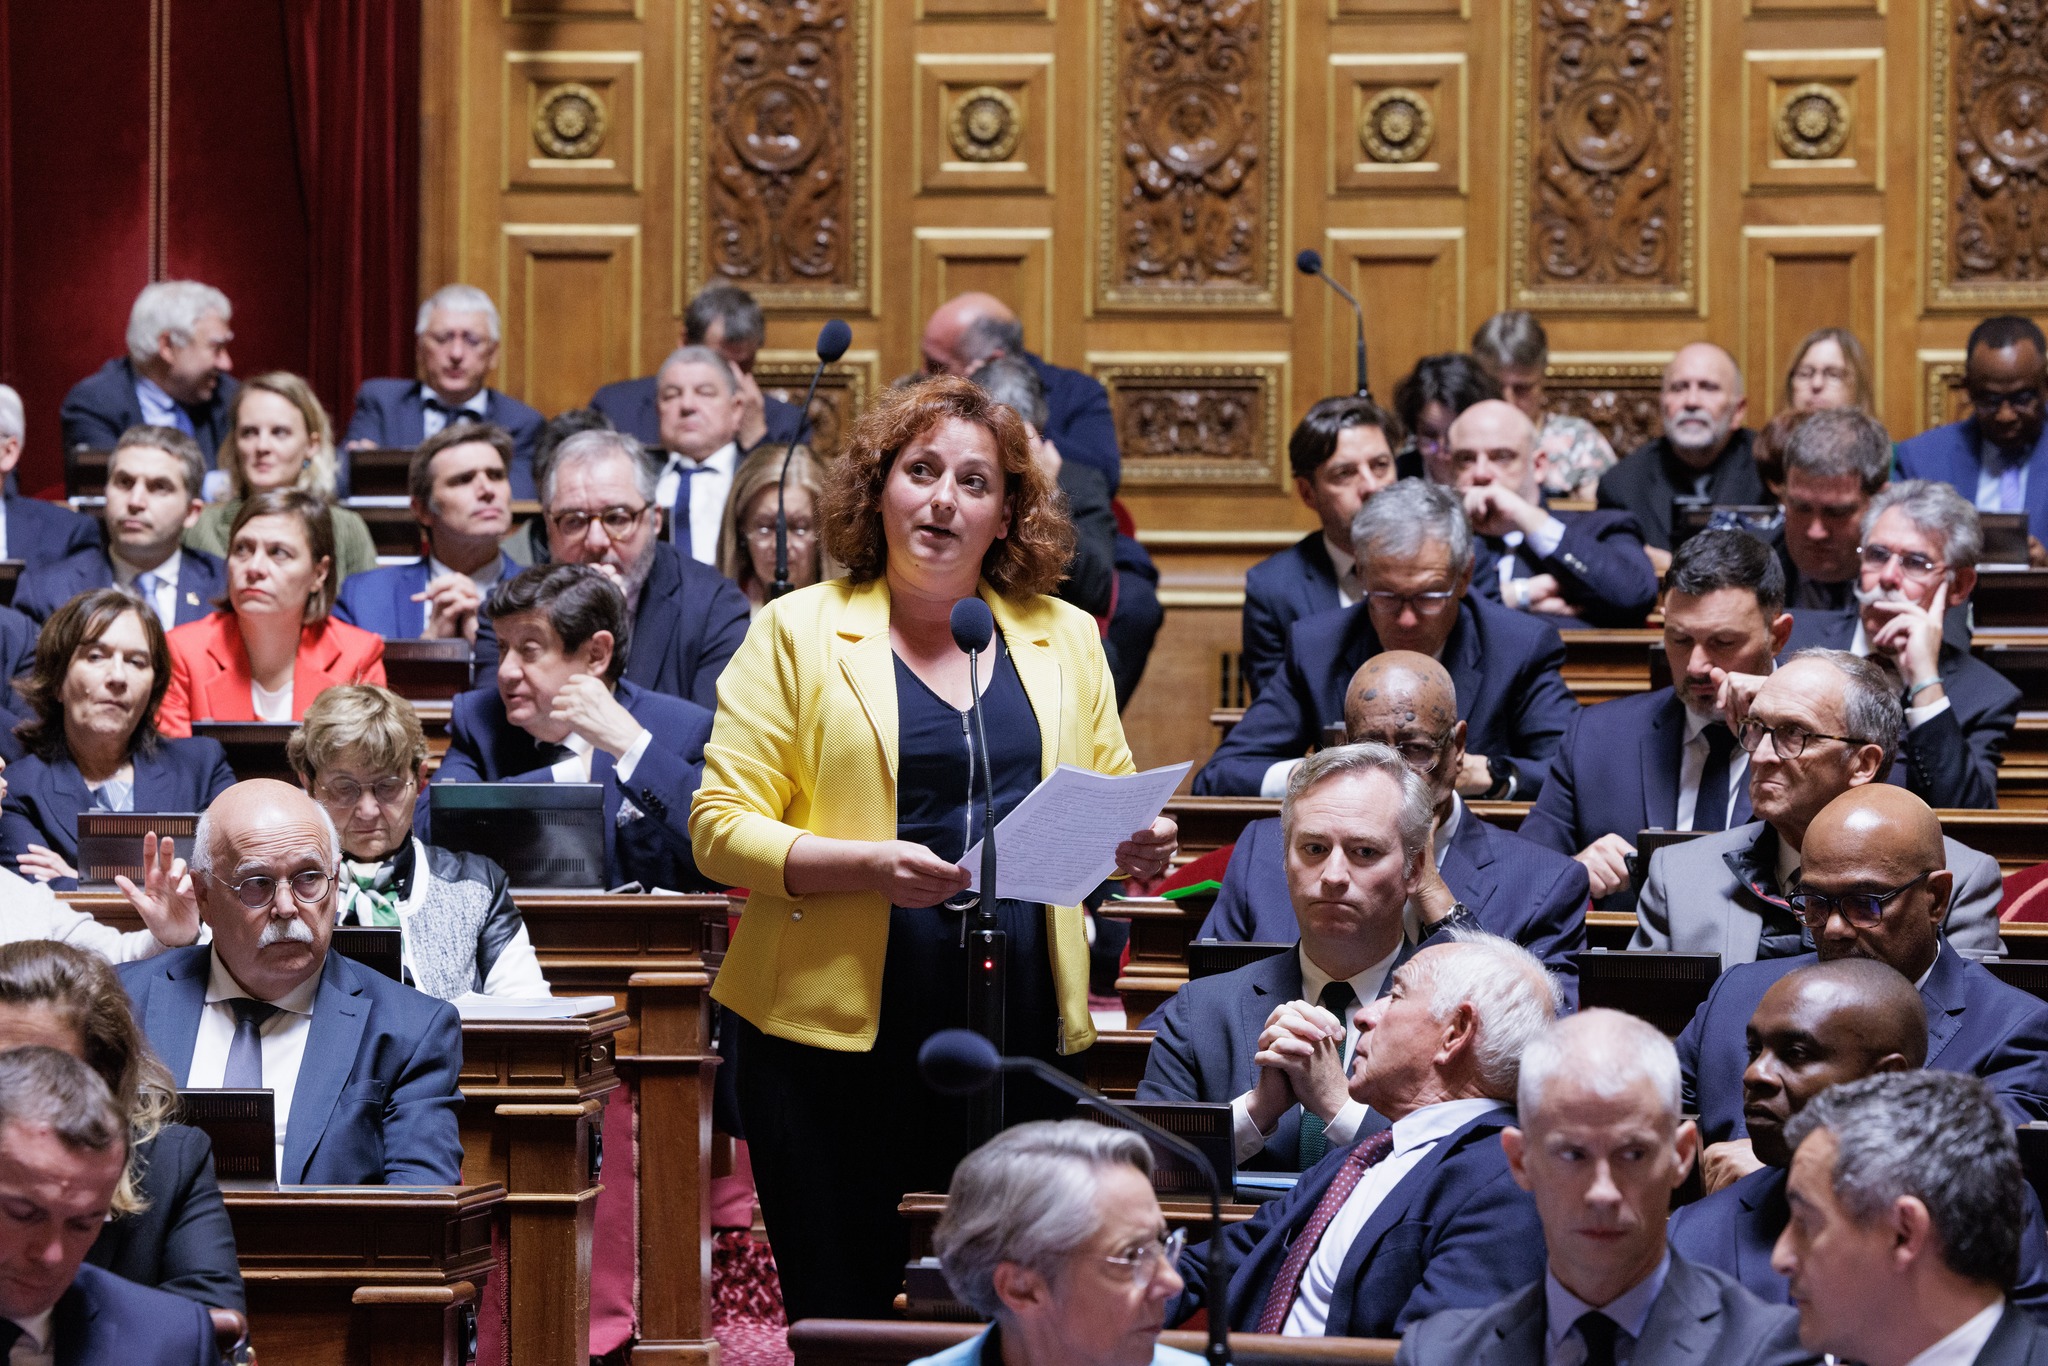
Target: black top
933 757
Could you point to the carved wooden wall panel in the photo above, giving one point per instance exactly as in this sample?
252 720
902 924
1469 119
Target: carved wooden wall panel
1189 199
777 173
570 299
1814 119
1385 9
1196 419
1942 397
849 386
984 123
1397 121
1796 279
1618 394
1988 154
1014 264
572 120
1414 282
1605 154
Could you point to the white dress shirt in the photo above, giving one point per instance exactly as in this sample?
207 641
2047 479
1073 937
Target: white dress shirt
432 420
1692 766
159 409
1414 1135
1542 543
164 601
271 706
708 492
1350 591
1961 1347
1916 717
576 767
283 1035
37 1345
485 581
1630 1310
30 910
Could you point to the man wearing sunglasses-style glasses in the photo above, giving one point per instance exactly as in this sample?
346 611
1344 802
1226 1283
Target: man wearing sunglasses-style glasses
1994 457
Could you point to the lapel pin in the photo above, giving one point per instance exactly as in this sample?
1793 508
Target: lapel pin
191 598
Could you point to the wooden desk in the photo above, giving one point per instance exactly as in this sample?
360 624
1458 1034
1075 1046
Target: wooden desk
1602 665
2006 598
1116 1064
1158 964
351 1275
868 1342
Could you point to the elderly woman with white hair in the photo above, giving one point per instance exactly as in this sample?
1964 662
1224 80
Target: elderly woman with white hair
1053 1232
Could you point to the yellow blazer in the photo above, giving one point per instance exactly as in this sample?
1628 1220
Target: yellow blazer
805 742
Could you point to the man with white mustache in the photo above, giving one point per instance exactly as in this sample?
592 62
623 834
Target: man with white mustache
1703 454
363 1069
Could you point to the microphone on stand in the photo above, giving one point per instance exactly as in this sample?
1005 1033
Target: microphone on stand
1309 261
833 339
988 948
960 1062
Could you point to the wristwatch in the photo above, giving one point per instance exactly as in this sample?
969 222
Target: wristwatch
1505 778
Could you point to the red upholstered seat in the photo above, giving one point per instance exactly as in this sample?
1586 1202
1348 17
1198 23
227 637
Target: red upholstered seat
2026 895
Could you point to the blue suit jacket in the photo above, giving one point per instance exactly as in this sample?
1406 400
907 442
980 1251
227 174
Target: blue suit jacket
1951 455
44 797
1599 566
39 532
1975 1024
391 412
103 1318
103 405
183 1242
17 657
652 848
1456 1233
1616 772
1505 666
1300 581
1077 418
44 588
376 1100
1952 760
380 600
630 406
1516 889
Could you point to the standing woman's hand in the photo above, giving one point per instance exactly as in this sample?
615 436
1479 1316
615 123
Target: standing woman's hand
1148 853
912 875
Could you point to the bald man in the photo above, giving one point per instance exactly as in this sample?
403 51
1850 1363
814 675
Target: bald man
1875 883
1704 453
363 1069
1511 886
1580 567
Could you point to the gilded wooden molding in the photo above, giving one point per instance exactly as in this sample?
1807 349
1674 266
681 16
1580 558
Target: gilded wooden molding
1813 122
985 124
1397 126
1987 155
1196 419
569 121
1619 394
1941 379
843 394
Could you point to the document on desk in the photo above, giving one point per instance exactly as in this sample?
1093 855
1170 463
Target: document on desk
1060 841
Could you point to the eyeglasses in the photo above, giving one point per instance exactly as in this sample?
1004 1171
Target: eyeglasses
308 888
343 793
1861 909
1911 563
1827 374
1788 740
472 340
618 523
1144 1261
765 535
2023 402
1420 755
1422 604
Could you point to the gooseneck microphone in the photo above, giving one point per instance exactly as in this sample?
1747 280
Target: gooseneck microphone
960 1062
833 339
1309 261
988 947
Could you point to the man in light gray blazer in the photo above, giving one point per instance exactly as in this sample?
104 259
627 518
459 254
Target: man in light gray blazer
1602 1146
1825 722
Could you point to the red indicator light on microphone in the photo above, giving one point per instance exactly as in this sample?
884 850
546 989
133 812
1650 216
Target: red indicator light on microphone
988 965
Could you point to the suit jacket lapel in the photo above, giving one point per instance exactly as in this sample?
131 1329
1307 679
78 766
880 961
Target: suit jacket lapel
67 784
654 622
1039 671
315 667
340 1013
177 996
71 1328
1681 1328
154 775
869 664
1392 1209
411 419
1461 658
1945 996
1468 864
1753 1253
1747 867
404 610
1662 749
1518 1330
2037 487
602 768
228 694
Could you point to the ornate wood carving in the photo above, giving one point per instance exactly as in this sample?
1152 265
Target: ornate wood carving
778 178
1988 61
1179 423
1191 171
842 394
1620 398
1605 94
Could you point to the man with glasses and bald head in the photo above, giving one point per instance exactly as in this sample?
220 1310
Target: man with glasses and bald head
363 1069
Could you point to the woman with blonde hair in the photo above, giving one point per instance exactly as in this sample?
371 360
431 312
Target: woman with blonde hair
746 545
279 436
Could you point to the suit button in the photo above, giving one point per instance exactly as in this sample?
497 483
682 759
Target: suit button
796 915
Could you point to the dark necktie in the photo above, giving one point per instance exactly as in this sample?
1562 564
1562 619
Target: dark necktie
12 1332
679 515
1280 1299
450 414
1598 1332
1710 811
1338 999
245 1055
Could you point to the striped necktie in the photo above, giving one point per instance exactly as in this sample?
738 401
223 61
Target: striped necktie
1369 1153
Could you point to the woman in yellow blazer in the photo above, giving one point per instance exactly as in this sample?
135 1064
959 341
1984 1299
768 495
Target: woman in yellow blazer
836 790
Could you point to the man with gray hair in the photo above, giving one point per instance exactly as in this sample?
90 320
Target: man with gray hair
727 319
174 375
32 529
1703 455
1836 462
1916 562
1415 555
457 334
1602 1146
363 1068
1422 1215
700 403
1904 1237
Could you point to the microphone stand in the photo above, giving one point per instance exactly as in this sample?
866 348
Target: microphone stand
803 427
988 946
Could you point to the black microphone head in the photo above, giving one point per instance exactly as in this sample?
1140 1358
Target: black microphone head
973 625
1309 261
958 1062
833 339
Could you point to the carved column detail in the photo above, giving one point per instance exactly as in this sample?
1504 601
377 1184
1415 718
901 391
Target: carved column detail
1195 419
1605 100
776 139
1189 199
1988 154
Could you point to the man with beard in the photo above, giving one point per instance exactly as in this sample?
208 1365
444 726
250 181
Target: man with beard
1993 457
1704 453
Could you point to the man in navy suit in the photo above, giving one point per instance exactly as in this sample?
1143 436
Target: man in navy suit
153 482
174 375
726 319
1513 887
457 334
1417 551
1420 1216
461 489
364 1069
1341 453
1642 762
1919 552
63 1148
701 403
32 529
1994 457
1703 454
1876 841
1835 462
1587 568
561 713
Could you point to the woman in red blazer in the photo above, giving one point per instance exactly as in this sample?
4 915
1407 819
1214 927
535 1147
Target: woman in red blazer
273 648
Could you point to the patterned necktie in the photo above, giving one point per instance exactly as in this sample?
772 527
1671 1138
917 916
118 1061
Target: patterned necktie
2011 497
1598 1332
369 896
1369 1153
1710 808
1338 999
244 1071
679 515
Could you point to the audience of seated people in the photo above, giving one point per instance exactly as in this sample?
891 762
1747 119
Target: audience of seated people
1417 553
770 477
33 530
725 318
456 348
1991 456
462 495
1513 348
279 437
272 645
102 669
1704 454
174 375
1835 462
1429 398
1829 369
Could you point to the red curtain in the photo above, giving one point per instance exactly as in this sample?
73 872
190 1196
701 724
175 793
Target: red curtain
355 79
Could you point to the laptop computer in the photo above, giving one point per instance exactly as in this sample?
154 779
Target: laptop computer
110 842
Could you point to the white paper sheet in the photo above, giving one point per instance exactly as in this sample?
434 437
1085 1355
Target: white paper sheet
473 1005
1060 841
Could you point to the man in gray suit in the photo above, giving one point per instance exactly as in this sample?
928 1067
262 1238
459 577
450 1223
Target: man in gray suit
1602 1146
1824 723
